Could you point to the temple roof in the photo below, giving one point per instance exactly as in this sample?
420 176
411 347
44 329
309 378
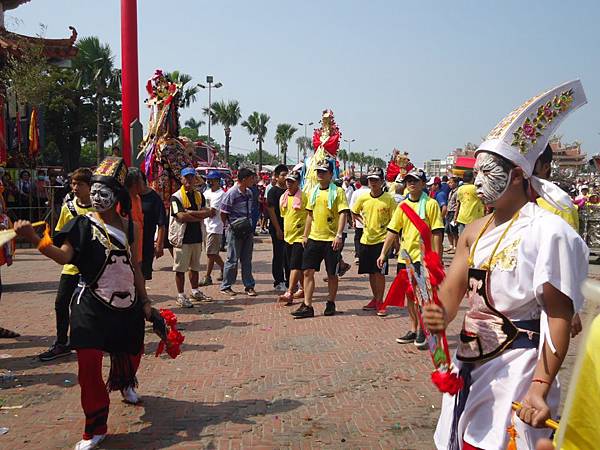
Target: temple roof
53 48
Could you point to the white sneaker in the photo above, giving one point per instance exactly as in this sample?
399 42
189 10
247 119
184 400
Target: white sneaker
198 295
130 396
183 301
88 444
281 287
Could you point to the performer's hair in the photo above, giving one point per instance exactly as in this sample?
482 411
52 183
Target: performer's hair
280 168
124 201
83 175
245 173
546 156
134 175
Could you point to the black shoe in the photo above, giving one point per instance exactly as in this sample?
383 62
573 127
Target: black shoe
408 338
420 341
54 352
304 312
329 309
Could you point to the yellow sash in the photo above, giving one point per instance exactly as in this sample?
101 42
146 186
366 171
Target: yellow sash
186 201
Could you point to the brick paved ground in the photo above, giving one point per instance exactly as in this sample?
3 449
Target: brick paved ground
249 375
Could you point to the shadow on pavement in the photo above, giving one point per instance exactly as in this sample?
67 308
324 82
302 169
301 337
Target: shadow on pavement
60 379
32 286
170 422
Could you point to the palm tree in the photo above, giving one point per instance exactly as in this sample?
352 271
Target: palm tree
304 143
343 156
194 124
94 65
361 161
187 95
283 135
256 125
227 114
353 157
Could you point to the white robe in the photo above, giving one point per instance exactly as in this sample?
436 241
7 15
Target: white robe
539 248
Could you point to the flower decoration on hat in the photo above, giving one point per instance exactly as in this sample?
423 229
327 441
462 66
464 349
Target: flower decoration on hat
528 133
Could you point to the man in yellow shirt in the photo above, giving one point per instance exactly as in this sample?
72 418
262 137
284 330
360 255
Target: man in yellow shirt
327 210
374 209
410 241
80 205
469 206
292 207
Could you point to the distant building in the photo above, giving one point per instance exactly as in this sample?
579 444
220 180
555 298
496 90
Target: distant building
567 156
434 168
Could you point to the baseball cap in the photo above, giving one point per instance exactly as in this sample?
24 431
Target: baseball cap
435 180
293 175
375 173
325 165
213 175
188 171
417 174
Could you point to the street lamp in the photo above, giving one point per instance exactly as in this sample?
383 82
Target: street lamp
349 142
305 125
218 84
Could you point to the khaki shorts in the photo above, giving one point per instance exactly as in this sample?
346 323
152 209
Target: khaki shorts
187 258
213 243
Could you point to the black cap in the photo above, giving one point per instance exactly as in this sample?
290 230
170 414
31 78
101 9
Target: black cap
417 174
293 175
325 165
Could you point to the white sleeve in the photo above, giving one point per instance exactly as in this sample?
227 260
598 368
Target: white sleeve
562 259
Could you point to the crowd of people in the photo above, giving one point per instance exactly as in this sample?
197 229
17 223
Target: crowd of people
522 304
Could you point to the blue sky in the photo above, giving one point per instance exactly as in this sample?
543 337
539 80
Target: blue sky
424 77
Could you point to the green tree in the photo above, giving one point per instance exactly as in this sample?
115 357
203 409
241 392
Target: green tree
262 157
227 114
378 162
283 135
94 66
190 133
343 156
188 94
256 125
194 124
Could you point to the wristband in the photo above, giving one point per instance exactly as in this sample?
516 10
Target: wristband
540 380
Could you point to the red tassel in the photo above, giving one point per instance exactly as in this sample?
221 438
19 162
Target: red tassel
447 382
174 336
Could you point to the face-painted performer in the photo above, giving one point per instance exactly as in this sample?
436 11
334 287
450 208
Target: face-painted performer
521 287
110 304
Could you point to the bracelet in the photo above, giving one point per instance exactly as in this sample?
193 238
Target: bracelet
540 380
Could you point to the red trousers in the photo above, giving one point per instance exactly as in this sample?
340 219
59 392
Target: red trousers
94 395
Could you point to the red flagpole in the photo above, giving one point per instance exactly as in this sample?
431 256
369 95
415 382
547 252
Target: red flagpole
129 74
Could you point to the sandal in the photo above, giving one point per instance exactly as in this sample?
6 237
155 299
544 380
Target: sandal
8 334
287 297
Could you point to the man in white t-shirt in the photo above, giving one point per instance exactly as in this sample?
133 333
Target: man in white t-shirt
213 225
358 226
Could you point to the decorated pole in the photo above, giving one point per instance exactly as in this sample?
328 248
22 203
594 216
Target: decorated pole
129 75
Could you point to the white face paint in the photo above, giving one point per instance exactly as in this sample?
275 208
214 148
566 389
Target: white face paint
103 197
492 178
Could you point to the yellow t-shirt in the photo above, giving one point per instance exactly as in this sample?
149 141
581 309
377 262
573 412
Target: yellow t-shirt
65 217
471 207
410 239
325 221
294 220
376 213
571 216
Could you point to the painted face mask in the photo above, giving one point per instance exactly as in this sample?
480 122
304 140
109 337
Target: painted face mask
103 197
492 177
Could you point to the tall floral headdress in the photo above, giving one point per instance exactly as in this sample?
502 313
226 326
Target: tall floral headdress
522 136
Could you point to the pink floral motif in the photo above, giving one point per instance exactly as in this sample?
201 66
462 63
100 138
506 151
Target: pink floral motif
526 135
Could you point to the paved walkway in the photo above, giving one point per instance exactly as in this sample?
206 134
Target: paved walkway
249 376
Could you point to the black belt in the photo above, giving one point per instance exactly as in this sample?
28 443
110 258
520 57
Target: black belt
525 339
